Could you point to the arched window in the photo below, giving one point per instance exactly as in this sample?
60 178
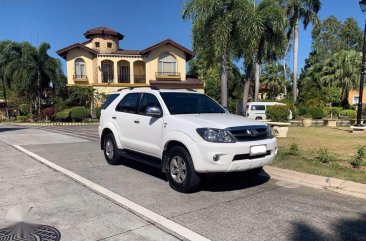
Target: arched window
79 69
167 64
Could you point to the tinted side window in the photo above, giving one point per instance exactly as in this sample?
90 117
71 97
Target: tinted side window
129 103
148 100
258 107
109 100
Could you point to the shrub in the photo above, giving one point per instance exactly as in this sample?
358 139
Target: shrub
24 109
332 111
2 118
49 113
323 156
349 113
63 115
22 118
360 158
278 113
302 110
79 113
316 112
97 111
294 150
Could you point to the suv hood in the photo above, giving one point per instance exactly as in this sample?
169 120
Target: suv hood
220 121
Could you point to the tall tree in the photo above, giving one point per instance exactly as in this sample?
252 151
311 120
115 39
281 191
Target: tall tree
273 77
214 25
299 10
261 39
34 71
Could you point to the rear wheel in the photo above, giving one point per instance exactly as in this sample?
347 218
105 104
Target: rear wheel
111 150
180 170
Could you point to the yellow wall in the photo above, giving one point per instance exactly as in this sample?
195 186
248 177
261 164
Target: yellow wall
88 59
353 93
152 61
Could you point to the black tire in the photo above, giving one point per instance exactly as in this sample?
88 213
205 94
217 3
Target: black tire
191 180
109 144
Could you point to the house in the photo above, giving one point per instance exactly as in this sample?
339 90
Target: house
100 62
353 97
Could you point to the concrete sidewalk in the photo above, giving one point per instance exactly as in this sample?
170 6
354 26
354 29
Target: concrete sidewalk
75 211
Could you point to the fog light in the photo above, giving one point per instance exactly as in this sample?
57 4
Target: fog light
276 150
216 157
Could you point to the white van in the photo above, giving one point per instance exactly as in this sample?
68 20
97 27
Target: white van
257 110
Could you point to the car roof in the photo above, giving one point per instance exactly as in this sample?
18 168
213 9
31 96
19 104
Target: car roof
148 89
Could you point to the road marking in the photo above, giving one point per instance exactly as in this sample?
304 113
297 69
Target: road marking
156 218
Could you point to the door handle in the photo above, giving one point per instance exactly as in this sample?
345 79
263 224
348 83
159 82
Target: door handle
113 117
136 121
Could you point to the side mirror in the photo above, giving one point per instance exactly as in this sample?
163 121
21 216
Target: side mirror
153 111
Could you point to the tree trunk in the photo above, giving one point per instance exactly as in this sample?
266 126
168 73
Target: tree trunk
245 96
284 67
257 84
224 79
39 94
296 50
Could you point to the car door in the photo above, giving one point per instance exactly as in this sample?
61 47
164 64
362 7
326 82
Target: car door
149 132
126 118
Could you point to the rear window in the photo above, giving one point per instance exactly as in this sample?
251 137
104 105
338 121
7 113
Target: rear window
109 100
258 107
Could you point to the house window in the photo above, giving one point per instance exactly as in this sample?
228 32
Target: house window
107 71
356 99
79 69
97 44
167 64
109 45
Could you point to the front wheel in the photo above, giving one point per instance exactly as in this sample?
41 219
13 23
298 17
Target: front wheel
180 170
111 150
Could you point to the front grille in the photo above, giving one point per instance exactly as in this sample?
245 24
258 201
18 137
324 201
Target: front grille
247 156
249 133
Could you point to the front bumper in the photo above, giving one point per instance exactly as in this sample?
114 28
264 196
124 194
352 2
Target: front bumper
219 157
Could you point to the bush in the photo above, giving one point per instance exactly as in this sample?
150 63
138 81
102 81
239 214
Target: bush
332 111
360 158
49 113
316 112
22 118
24 109
2 118
97 111
278 113
323 156
349 113
79 113
302 110
294 150
63 115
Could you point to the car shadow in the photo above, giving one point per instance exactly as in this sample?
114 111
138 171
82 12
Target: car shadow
5 129
142 167
233 181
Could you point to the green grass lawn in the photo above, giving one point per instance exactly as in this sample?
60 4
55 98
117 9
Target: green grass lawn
340 142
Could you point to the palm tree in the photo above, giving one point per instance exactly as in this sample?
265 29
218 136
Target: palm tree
214 27
264 29
34 71
274 78
297 10
342 70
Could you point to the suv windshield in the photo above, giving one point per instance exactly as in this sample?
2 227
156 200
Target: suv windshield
190 103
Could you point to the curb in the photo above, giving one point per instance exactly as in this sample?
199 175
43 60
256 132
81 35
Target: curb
55 124
326 183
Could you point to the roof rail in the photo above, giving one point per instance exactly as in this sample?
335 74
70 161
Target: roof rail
153 87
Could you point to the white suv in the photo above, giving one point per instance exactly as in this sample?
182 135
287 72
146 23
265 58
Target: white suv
184 133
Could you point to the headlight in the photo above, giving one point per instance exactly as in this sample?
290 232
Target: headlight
269 132
215 135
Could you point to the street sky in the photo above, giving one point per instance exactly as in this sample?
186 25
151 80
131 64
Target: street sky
143 22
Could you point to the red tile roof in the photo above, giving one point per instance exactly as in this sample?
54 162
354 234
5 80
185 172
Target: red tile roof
189 53
62 52
102 31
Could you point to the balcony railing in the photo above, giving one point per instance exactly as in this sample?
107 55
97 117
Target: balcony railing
140 79
107 78
79 77
167 75
123 79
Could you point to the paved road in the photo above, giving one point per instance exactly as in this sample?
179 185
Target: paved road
227 208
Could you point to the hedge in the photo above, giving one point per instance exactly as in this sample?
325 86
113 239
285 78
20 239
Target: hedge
316 113
79 113
23 109
278 113
349 113
63 115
